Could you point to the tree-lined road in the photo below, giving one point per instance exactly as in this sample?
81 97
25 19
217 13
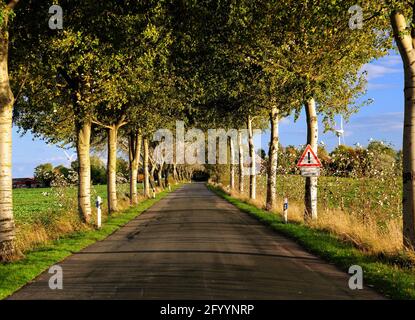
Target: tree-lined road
195 245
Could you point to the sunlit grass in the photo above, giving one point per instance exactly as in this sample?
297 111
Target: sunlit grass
46 214
364 211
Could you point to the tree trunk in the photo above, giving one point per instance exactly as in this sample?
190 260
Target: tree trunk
406 45
160 177
232 167
175 176
84 170
310 199
252 175
146 173
273 161
134 157
7 226
112 170
152 182
166 176
180 174
241 163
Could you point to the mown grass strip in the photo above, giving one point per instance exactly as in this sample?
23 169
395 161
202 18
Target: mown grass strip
15 275
392 280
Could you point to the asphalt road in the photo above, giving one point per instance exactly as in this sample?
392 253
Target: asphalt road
195 245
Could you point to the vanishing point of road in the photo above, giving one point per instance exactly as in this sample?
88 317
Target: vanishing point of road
194 245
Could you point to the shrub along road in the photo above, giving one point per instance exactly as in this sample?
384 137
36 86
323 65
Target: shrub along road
195 245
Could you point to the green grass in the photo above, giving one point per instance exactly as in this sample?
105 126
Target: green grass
31 205
387 276
14 275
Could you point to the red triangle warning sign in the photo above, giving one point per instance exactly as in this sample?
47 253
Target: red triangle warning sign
309 159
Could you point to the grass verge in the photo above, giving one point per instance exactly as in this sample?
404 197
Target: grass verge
387 277
15 275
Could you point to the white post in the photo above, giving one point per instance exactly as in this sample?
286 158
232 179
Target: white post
98 205
286 210
154 193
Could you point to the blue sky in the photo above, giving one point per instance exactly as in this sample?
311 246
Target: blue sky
381 120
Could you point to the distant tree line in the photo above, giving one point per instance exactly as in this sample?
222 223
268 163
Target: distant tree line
49 176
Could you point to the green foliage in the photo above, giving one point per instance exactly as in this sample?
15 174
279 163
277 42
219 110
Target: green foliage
44 174
48 176
98 171
123 171
349 162
378 159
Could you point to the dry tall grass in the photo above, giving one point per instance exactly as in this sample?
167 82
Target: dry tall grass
367 233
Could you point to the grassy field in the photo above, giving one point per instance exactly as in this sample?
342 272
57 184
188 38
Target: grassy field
382 195
32 205
46 214
391 276
15 275
366 212
354 195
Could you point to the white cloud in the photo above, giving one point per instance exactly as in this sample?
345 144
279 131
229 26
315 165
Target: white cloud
383 86
380 71
391 60
386 122
375 71
285 121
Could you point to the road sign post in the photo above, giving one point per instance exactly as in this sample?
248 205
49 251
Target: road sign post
310 171
309 163
285 210
98 205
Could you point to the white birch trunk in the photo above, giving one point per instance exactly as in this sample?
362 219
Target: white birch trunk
84 170
310 199
232 167
112 170
160 176
252 175
146 172
241 163
273 161
406 45
134 157
7 226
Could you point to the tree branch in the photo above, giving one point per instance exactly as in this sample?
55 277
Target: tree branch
71 82
22 85
11 4
94 121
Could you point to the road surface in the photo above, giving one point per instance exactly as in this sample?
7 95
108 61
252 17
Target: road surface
195 245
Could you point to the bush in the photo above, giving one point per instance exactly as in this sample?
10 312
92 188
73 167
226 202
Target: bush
44 174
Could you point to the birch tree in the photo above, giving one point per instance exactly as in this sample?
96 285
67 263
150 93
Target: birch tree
320 55
404 34
7 227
